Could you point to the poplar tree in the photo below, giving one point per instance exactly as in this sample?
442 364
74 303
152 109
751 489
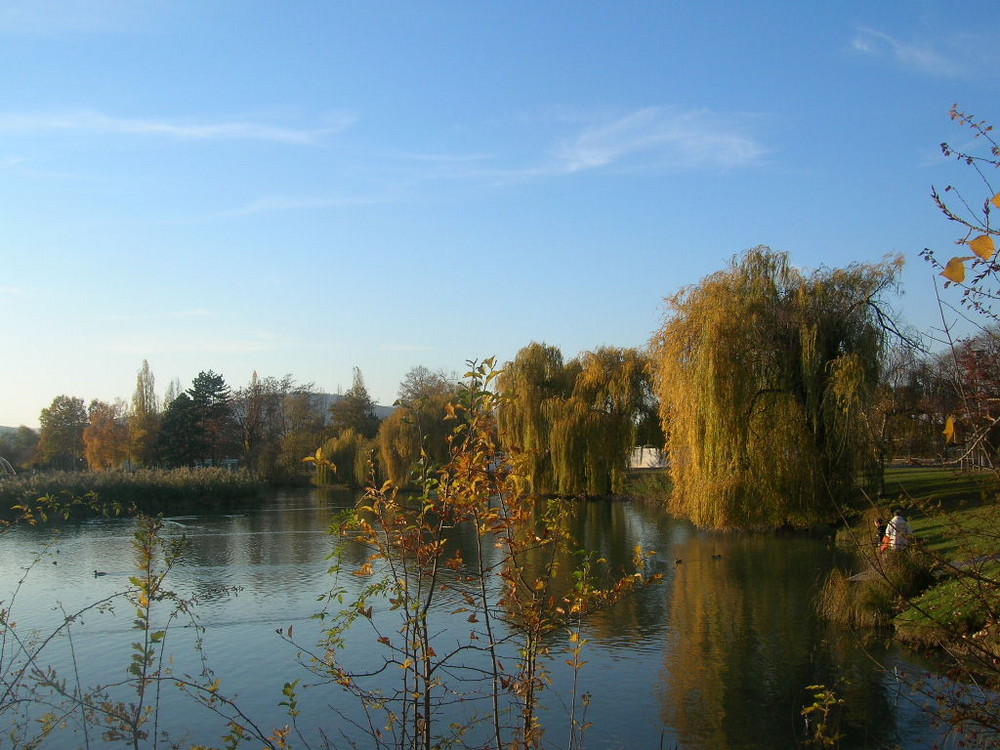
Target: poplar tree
765 377
144 419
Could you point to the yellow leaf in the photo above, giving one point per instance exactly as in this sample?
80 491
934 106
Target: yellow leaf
954 270
996 200
983 246
949 430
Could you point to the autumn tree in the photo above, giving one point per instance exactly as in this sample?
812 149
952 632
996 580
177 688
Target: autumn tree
144 418
530 384
594 430
262 411
61 435
573 425
765 376
307 429
413 440
355 410
918 393
106 437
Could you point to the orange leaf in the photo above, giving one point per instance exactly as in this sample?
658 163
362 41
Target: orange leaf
983 246
954 270
995 200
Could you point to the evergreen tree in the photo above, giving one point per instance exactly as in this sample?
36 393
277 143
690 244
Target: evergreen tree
215 435
176 443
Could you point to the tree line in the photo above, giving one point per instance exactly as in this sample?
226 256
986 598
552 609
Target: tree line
778 394
594 408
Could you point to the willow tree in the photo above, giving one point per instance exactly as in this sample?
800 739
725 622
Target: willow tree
573 425
413 440
528 384
765 375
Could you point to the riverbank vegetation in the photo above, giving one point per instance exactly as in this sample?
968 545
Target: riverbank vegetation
523 590
149 491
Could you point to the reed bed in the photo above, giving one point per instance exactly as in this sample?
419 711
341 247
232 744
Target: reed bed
148 490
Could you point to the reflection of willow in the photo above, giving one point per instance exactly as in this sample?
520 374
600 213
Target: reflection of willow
740 641
504 560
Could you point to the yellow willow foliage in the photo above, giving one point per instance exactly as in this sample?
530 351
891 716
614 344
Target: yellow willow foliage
574 424
348 460
764 375
535 376
413 433
399 447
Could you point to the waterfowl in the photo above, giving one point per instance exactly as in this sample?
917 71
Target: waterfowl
99 573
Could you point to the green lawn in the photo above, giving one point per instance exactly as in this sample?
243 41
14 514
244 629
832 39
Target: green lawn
954 515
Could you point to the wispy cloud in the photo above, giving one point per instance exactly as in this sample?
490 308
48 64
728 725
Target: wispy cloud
56 17
661 138
948 55
97 123
652 139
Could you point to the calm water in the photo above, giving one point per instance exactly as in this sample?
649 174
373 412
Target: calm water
716 656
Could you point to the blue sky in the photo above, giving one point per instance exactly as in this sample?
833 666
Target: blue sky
306 187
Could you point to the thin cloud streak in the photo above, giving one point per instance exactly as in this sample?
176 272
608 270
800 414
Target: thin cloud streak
98 123
58 17
664 139
948 56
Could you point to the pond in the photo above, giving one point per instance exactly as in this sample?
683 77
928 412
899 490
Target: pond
717 655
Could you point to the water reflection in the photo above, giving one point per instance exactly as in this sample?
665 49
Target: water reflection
717 655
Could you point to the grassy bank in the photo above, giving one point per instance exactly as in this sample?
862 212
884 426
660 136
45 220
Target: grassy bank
945 591
149 490
648 484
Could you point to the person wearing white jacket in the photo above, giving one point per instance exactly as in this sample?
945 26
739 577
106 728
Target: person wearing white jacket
898 531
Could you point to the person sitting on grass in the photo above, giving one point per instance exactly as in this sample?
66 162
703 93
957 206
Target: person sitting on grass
897 532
